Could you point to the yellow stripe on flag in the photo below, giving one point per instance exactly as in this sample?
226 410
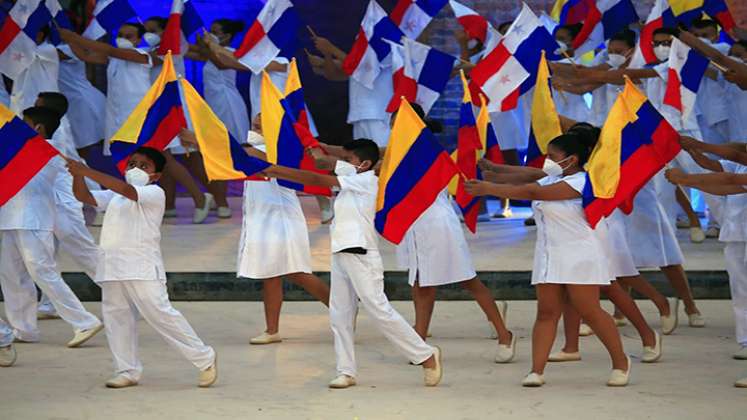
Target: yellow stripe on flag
272 116
557 8
5 115
293 82
545 120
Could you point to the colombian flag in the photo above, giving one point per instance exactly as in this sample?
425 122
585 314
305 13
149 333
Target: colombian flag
685 11
156 120
568 12
414 171
636 142
545 123
223 156
23 153
490 147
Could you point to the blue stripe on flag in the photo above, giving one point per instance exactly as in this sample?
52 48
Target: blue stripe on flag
13 135
431 7
384 29
114 15
191 20
618 18
693 70
436 70
284 32
38 19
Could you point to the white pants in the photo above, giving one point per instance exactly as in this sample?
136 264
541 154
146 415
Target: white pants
6 334
73 237
27 257
121 301
376 130
736 266
362 277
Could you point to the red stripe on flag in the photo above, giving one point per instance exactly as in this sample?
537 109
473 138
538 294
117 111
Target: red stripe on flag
591 21
399 11
673 96
403 86
167 130
356 53
255 34
8 33
172 36
726 20
647 39
475 26
489 66
32 157
495 155
511 101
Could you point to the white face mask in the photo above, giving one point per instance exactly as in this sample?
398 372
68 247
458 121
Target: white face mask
662 52
552 168
137 177
616 60
124 43
152 39
343 168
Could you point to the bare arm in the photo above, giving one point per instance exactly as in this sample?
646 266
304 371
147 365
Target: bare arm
704 161
86 55
713 54
533 191
735 152
302 177
81 191
103 48
510 178
487 165
79 170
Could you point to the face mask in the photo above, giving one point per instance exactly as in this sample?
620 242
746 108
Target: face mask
343 168
552 168
137 177
124 43
616 60
662 52
152 39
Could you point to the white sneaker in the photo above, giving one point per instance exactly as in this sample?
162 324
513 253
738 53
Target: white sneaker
741 383
7 356
652 354
120 381
697 235
620 322
696 320
506 353
208 376
342 382
712 232
82 336
669 322
741 354
266 338
561 356
169 213
202 213
619 377
224 212
533 380
585 330
432 376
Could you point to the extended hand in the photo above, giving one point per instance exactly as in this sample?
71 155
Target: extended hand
74 167
675 175
476 188
188 138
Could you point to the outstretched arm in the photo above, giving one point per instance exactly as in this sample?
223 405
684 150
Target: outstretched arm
79 170
533 191
735 152
102 48
302 177
719 183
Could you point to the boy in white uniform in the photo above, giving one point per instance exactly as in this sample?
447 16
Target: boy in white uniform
131 272
357 268
7 351
27 250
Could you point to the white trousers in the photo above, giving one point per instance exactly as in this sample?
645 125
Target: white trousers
73 237
27 257
362 277
6 334
736 266
121 301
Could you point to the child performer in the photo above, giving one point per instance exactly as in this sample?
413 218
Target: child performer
357 268
131 271
569 261
27 250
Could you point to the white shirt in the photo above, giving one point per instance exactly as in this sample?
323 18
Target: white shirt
86 103
736 100
33 207
734 218
355 209
131 235
255 85
40 76
370 104
709 101
127 84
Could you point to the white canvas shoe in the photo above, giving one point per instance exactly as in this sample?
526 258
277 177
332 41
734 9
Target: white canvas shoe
696 320
697 235
741 354
620 322
202 213
224 212
506 353
169 213
585 330
533 380
669 322
208 376
7 356
652 354
619 377
342 382
82 336
120 381
266 338
741 383
561 356
433 376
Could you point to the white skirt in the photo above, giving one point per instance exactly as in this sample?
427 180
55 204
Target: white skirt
618 252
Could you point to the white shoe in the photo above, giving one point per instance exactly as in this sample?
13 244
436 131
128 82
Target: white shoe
652 354
266 338
342 382
585 330
696 320
81 337
697 235
562 356
712 232
169 213
98 220
43 315
202 213
120 381
7 356
506 353
533 380
741 354
619 377
224 212
669 322
741 383
682 223
432 376
208 376
620 322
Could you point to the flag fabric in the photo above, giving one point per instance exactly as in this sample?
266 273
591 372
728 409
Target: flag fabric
660 16
508 71
16 45
718 10
415 169
363 62
604 19
420 74
569 12
223 156
686 70
272 32
548 22
636 142
412 16
685 11
544 121
474 25
155 121
490 147
183 22
23 153
108 16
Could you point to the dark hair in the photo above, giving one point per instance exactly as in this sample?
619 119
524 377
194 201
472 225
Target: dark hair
434 126
56 101
230 26
579 140
573 29
160 20
47 117
703 24
665 31
626 35
154 155
364 149
139 26
503 27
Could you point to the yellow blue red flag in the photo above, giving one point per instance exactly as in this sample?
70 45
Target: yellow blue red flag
545 123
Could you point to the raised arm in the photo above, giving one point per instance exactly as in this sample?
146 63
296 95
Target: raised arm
79 170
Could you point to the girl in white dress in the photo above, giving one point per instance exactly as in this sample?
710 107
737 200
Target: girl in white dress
569 261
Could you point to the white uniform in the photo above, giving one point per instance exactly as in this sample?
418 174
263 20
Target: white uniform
127 84
225 100
361 276
568 251
711 109
616 245
40 76
27 258
571 105
434 250
6 334
274 237
133 281
367 108
734 234
736 100
255 85
86 103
